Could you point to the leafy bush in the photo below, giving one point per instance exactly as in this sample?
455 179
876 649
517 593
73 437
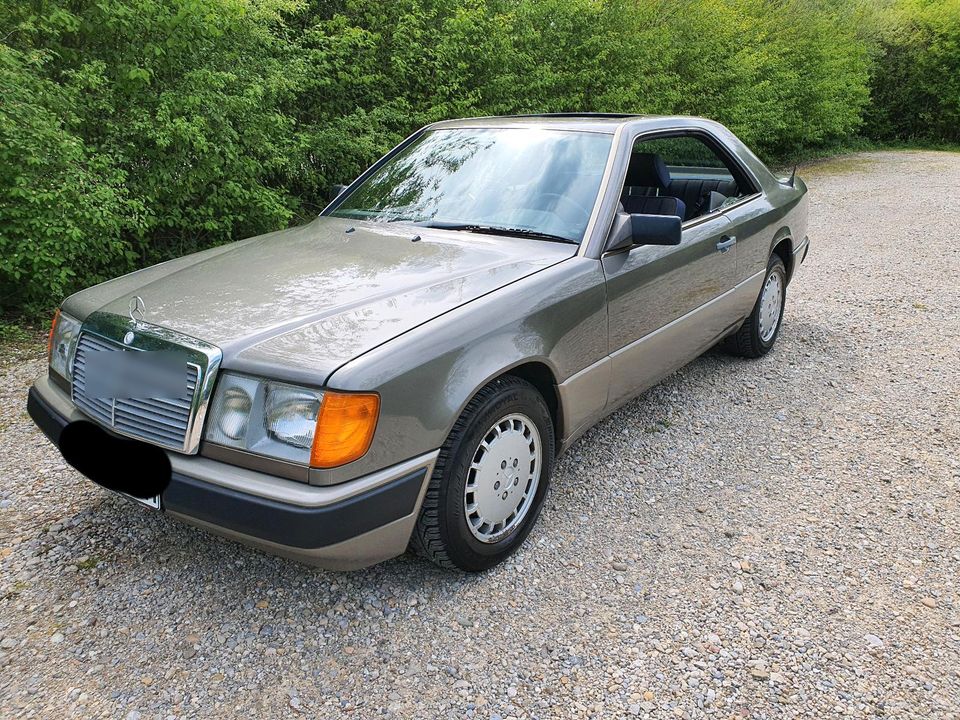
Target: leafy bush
63 206
916 82
136 130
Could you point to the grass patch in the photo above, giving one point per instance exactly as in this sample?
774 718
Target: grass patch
658 427
89 564
18 587
13 333
20 334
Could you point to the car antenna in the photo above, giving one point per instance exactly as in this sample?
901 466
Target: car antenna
793 177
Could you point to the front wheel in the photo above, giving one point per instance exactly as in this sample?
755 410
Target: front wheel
490 479
759 332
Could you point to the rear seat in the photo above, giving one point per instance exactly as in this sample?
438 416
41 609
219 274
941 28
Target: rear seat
691 191
650 190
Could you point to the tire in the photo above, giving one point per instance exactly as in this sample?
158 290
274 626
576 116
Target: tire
511 412
754 338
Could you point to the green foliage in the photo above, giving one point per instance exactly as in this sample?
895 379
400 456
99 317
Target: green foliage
62 207
132 131
916 82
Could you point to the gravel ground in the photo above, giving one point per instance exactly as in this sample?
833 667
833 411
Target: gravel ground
766 539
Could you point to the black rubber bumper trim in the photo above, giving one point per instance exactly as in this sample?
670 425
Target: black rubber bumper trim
282 523
293 525
47 419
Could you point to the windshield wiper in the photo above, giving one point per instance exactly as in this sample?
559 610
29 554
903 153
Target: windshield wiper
494 230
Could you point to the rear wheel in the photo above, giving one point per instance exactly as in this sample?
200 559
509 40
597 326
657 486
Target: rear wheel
759 332
490 479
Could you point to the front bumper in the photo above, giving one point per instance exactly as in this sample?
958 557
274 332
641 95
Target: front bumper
343 527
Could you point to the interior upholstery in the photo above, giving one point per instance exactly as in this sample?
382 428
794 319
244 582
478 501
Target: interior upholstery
647 170
653 205
649 188
690 191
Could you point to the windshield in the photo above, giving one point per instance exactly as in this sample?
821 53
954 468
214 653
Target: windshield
541 181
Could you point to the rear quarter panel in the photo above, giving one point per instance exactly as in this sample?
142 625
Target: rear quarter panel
780 213
784 216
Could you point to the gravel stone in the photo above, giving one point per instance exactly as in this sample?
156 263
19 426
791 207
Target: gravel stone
828 476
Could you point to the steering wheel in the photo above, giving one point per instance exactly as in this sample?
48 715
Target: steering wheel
579 216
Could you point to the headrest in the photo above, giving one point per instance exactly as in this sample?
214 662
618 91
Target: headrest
647 170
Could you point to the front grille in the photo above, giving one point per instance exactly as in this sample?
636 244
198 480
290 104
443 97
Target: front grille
161 422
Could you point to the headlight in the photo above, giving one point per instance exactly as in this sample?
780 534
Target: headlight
292 414
62 343
287 422
234 415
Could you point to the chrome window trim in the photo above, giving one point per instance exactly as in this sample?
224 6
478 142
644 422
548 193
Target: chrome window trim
206 357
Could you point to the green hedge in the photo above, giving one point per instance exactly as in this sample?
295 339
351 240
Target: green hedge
136 130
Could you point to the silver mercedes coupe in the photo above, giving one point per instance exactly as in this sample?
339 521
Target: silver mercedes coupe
404 370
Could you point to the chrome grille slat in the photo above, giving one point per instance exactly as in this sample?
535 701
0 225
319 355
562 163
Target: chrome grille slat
163 422
148 432
164 413
127 410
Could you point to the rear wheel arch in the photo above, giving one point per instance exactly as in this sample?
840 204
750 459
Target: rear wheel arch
782 246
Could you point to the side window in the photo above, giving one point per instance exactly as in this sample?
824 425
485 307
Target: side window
680 176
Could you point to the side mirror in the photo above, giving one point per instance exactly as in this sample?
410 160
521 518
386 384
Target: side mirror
336 191
630 230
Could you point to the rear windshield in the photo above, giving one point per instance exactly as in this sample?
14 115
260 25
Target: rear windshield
534 179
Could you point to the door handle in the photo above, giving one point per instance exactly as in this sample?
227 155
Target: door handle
726 242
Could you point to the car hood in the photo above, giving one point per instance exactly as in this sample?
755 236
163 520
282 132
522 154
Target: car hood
306 300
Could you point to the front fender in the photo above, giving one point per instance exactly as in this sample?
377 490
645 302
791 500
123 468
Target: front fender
426 376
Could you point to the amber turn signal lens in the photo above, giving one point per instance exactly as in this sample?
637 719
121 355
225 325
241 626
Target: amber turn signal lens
53 329
345 428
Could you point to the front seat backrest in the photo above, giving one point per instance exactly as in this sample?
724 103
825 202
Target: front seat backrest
647 171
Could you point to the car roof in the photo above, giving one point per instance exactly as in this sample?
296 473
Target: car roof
584 122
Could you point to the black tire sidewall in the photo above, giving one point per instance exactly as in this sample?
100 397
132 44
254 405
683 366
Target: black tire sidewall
463 549
763 347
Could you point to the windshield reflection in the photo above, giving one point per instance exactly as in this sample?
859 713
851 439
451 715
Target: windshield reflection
525 179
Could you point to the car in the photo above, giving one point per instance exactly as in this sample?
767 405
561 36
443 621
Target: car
406 369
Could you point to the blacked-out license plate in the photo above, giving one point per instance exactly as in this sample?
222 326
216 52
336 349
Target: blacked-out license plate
136 469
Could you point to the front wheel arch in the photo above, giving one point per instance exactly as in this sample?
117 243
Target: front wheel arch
537 371
441 533
542 378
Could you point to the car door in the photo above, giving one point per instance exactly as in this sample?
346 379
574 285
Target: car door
749 223
665 304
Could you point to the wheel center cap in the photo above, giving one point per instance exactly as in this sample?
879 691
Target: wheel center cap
502 479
